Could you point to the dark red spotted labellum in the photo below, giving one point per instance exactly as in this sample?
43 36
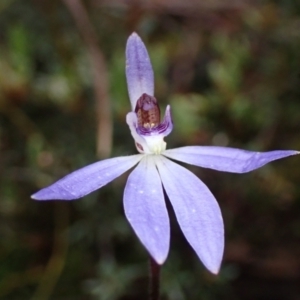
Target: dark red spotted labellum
148 112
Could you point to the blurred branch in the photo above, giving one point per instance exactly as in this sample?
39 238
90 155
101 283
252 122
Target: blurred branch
5 4
18 280
179 6
89 36
49 277
57 261
21 121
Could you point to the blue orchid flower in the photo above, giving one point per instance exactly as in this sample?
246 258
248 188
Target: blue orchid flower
196 209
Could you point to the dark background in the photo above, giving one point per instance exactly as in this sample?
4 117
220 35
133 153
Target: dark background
230 71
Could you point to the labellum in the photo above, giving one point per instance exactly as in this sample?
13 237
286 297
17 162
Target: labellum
148 113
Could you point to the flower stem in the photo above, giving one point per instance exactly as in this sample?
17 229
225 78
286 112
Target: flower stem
154 279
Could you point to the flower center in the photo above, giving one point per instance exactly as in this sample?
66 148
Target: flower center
145 125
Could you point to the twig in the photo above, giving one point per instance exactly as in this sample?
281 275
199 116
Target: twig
89 36
57 261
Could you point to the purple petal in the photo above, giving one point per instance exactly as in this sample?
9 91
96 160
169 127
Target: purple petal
87 179
197 212
145 209
139 73
226 159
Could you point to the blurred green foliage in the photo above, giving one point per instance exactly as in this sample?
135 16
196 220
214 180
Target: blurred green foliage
231 73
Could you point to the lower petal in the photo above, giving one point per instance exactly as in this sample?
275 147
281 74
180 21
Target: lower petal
197 212
145 209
